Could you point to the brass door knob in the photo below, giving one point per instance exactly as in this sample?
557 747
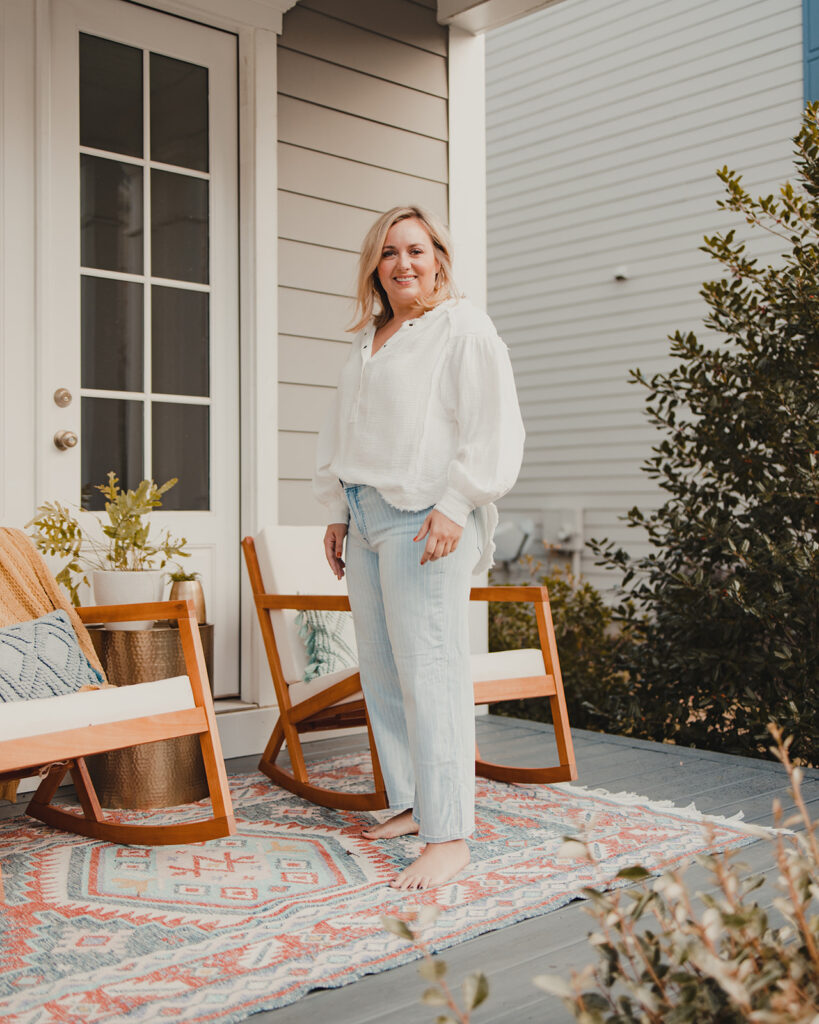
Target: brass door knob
65 439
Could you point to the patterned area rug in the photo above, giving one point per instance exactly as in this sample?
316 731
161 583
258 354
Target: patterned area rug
91 932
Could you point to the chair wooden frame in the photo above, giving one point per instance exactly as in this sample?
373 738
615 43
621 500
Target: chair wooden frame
550 685
325 710
54 754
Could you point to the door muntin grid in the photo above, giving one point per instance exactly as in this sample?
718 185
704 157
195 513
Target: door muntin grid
145 271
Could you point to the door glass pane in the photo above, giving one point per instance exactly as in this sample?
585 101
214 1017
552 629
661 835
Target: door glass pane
110 96
111 214
181 448
180 345
179 113
114 431
112 334
179 227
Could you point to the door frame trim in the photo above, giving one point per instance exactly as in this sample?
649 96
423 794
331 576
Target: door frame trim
258 323
258 268
257 24
234 16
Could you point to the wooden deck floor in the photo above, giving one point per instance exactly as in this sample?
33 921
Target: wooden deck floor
718 784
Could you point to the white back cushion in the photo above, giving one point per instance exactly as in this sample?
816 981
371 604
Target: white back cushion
292 562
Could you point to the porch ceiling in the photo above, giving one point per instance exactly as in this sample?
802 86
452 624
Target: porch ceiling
477 16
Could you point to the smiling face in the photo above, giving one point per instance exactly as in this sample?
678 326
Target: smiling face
408 266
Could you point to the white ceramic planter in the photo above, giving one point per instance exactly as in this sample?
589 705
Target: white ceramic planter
128 586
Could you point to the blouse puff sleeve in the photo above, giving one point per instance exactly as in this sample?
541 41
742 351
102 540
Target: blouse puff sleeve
326 486
479 388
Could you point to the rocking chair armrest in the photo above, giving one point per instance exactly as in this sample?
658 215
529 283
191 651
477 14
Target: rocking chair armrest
304 602
516 594
338 603
184 612
154 610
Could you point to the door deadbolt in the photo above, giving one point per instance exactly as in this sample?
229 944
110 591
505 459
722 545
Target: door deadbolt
65 439
62 397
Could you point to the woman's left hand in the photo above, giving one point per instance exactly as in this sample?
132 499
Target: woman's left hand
442 536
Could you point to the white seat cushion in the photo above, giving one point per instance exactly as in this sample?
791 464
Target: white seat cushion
94 707
299 691
507 665
495 665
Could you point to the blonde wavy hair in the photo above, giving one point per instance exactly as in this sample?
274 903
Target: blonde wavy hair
372 303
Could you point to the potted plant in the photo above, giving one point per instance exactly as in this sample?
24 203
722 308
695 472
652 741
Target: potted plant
187 586
125 563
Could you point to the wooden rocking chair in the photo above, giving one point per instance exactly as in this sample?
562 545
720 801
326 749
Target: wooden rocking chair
52 736
291 558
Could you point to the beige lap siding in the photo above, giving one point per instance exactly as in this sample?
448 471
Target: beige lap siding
605 125
362 127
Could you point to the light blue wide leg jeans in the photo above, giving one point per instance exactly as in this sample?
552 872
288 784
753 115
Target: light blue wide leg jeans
412 630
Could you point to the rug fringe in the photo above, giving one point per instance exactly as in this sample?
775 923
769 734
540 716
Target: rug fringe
626 799
689 812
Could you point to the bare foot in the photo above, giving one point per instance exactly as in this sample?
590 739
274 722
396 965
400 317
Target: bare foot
399 825
437 864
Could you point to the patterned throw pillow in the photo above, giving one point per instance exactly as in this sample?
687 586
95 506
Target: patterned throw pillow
330 642
42 658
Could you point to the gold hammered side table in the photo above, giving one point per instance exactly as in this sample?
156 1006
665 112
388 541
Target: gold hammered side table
162 774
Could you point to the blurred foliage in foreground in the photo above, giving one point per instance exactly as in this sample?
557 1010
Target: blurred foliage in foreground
667 954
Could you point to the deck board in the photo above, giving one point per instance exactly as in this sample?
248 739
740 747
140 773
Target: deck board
721 784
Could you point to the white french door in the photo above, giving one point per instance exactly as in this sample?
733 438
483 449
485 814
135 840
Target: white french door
138 345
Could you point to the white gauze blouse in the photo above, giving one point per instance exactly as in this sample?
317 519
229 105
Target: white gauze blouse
431 420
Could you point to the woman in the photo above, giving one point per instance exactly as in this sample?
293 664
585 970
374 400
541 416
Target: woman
424 434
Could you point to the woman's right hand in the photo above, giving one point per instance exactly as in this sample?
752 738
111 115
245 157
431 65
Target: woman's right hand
334 547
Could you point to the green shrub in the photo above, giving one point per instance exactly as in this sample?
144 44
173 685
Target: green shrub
588 644
724 609
667 956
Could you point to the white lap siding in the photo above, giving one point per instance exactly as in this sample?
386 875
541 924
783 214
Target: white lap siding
605 125
362 127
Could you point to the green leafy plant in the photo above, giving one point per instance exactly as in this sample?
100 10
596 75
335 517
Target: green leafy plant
667 955
724 609
588 643
57 531
179 575
474 987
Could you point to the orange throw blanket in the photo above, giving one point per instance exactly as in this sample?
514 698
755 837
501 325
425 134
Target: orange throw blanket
27 591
